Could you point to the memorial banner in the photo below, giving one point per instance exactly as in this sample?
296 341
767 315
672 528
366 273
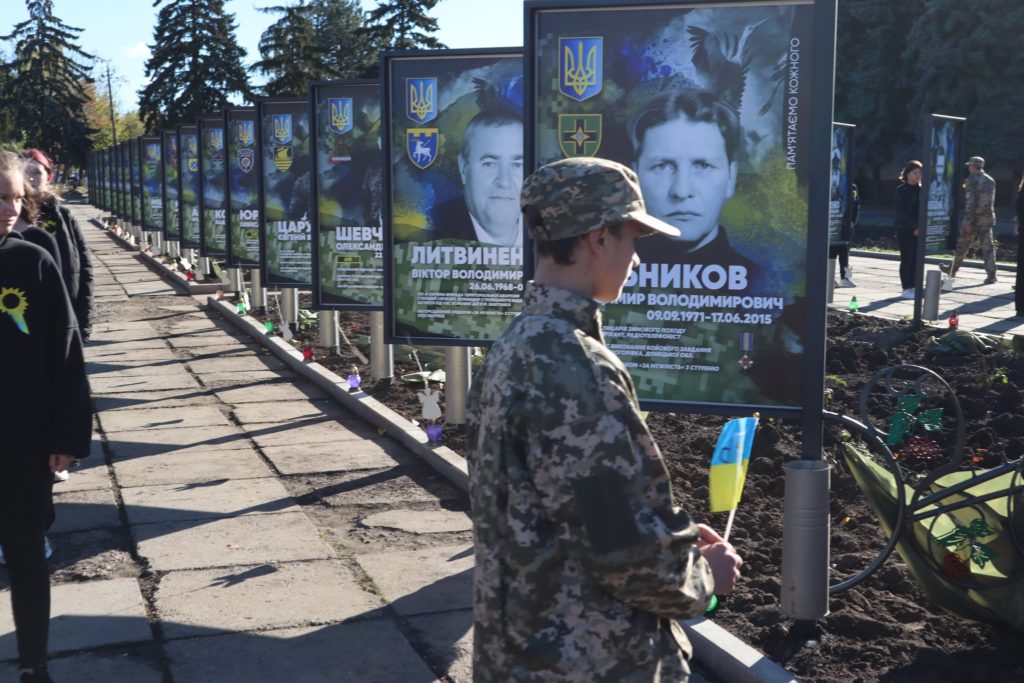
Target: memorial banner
716 108
151 160
243 205
126 184
104 180
944 169
188 185
453 234
840 186
213 188
286 251
136 179
172 203
115 152
348 254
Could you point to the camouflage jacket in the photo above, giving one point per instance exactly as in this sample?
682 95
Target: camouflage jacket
980 198
582 562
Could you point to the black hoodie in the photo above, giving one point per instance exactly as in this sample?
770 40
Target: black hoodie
44 397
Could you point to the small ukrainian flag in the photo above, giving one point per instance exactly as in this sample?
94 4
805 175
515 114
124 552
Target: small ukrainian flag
729 463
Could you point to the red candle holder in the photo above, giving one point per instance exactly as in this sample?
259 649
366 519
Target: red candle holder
307 353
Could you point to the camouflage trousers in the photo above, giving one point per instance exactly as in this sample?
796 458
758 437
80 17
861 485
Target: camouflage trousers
975 233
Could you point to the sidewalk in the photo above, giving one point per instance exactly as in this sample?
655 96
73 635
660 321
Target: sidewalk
232 524
980 307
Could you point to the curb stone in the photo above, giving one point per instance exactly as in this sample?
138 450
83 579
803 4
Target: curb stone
723 653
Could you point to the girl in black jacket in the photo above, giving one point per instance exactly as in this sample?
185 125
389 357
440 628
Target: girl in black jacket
44 414
908 196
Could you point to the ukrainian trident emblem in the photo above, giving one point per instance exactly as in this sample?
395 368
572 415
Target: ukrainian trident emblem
421 99
246 133
340 110
282 128
581 69
216 139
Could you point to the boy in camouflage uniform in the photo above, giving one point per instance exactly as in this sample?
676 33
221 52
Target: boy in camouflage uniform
979 217
583 563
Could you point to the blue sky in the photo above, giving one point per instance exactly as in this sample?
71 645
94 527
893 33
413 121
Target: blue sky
119 30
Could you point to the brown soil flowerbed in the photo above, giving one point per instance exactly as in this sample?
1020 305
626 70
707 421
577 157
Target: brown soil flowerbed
884 629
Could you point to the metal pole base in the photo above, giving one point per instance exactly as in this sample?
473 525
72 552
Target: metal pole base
328 323
290 307
456 386
805 540
932 287
259 294
382 356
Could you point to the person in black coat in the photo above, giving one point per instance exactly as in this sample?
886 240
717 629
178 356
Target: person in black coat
1018 220
57 219
908 197
45 416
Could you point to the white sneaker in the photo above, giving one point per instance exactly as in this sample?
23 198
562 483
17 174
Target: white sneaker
947 284
58 477
907 294
847 282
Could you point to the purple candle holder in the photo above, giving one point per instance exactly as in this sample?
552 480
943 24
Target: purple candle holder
434 432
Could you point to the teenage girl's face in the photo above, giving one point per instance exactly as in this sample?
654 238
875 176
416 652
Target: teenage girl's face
12 192
914 177
36 176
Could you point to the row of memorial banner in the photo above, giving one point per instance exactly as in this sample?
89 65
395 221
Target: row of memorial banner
403 195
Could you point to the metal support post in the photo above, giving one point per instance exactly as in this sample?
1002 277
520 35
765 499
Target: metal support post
932 287
328 322
805 540
382 356
259 295
456 386
830 288
290 307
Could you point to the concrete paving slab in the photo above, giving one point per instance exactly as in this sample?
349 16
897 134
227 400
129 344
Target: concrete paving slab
367 454
269 392
98 667
421 521
163 418
206 500
290 411
386 487
114 325
257 539
138 443
90 473
260 598
85 510
112 354
112 341
230 349
233 379
151 400
188 341
149 289
424 580
448 640
108 384
311 433
370 651
87 614
248 362
195 466
166 368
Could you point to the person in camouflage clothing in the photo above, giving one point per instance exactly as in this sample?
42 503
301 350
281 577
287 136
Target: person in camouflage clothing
583 563
979 217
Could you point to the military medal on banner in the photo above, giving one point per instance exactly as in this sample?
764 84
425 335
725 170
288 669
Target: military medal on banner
579 135
747 346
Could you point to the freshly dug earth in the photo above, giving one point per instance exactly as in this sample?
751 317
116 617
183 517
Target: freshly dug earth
883 629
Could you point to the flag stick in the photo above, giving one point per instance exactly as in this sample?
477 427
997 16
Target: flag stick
728 525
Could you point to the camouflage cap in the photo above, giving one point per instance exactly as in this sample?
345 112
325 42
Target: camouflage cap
575 196
976 161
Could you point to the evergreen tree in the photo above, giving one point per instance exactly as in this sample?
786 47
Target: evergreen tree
44 93
338 25
402 25
195 64
962 56
874 84
292 55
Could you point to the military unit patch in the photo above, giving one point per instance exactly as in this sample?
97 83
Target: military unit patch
421 144
245 133
283 152
283 158
579 135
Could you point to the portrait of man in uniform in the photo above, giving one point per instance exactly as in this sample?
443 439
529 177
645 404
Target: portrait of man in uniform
685 146
490 165
938 190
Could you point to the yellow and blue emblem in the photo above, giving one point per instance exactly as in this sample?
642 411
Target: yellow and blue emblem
581 67
579 135
282 124
246 132
216 139
340 114
283 158
13 302
421 99
191 143
421 144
